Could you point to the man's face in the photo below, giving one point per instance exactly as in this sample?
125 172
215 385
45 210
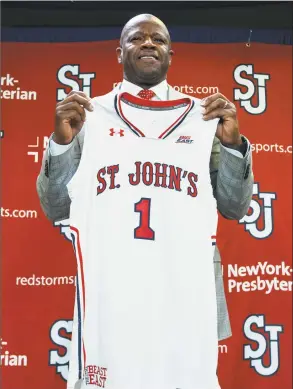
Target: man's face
145 52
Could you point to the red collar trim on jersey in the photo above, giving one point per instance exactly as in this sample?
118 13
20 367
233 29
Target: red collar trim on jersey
128 98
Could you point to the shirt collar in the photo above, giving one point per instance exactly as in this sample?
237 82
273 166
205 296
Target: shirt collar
161 90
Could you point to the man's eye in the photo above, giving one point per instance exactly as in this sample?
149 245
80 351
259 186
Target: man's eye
160 40
135 38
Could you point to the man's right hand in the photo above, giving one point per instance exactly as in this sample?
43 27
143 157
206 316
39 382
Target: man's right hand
70 116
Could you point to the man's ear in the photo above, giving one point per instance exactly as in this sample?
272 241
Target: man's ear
119 54
171 53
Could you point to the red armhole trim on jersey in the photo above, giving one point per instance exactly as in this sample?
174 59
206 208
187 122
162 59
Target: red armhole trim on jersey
80 260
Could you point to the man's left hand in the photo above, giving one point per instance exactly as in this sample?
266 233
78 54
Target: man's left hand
218 106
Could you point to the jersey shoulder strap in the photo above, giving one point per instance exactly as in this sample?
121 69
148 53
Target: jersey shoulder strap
106 101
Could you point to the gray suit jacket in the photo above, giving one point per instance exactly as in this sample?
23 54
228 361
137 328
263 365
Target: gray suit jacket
231 178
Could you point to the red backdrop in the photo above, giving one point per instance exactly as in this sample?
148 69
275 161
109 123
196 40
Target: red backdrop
38 265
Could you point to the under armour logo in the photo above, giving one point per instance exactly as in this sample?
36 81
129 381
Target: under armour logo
114 132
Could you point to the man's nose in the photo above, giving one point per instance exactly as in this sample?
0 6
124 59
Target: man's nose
148 42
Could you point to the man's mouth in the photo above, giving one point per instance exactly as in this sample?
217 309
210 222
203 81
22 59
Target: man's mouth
149 57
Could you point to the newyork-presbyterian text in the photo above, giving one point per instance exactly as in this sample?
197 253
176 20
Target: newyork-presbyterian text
148 173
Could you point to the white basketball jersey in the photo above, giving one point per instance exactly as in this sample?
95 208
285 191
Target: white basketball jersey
143 220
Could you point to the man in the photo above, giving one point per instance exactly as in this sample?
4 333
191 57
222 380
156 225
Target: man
145 54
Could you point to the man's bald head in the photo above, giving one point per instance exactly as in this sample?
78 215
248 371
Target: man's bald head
142 18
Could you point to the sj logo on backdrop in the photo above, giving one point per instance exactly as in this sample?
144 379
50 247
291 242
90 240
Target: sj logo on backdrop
256 87
259 222
71 77
64 228
267 341
60 334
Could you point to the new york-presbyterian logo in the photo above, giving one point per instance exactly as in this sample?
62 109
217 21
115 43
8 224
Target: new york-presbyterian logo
37 149
255 86
261 345
260 210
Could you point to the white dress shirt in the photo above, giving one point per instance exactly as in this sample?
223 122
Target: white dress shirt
161 93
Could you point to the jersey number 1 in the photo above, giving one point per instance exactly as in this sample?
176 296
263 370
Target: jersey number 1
144 231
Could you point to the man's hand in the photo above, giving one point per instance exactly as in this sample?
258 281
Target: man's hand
70 116
218 106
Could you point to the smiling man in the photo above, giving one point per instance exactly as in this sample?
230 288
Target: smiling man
148 65
145 54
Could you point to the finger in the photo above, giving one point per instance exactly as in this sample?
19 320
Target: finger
71 106
210 99
219 113
219 103
78 93
85 102
62 113
71 115
75 93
